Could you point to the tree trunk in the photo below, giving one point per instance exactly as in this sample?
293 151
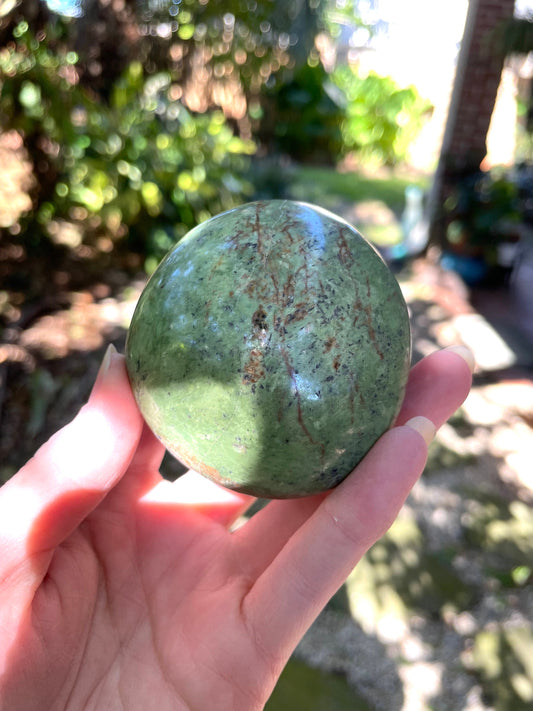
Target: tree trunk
476 84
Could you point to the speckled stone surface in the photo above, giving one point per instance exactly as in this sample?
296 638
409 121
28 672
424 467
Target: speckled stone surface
270 349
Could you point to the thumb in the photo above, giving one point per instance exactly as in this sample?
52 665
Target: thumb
71 473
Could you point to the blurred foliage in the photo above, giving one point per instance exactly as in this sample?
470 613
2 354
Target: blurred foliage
317 117
145 161
482 209
203 43
346 14
139 165
503 658
139 140
381 118
303 116
253 39
513 36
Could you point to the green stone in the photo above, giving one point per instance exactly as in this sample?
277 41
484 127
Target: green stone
270 349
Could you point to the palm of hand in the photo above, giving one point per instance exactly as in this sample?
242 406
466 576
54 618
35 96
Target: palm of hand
121 591
153 611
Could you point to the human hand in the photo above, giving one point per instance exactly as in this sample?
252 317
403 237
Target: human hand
123 591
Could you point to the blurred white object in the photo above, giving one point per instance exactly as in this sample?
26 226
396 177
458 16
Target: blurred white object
415 225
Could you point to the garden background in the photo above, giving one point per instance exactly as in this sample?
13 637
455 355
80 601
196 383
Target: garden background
124 124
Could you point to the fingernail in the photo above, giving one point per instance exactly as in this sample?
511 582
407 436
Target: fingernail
466 354
424 427
107 371
106 363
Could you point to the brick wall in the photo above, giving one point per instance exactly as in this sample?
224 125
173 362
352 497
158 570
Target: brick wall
477 82
478 76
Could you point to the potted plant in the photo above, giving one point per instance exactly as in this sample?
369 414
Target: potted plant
482 213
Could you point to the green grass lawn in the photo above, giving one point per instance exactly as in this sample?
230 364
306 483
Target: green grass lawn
327 186
374 205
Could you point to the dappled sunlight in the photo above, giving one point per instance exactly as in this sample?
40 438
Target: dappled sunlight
86 325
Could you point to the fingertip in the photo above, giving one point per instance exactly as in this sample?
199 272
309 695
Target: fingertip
438 384
112 390
464 353
112 372
424 426
95 448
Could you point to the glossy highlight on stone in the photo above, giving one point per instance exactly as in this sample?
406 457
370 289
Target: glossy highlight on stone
270 349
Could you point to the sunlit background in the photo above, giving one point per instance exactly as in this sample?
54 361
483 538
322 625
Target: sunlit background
124 124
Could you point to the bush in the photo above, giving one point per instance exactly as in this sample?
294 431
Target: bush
303 116
482 209
317 117
381 118
139 167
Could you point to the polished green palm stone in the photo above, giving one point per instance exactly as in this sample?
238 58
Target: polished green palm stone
270 349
